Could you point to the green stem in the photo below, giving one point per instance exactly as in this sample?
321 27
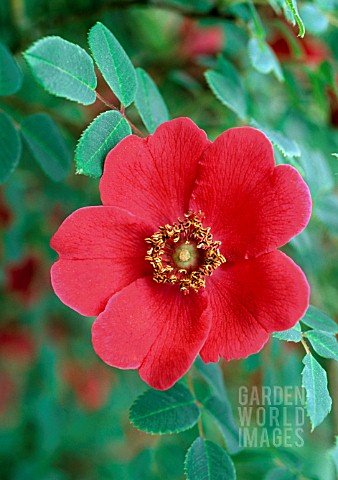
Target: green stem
192 390
305 345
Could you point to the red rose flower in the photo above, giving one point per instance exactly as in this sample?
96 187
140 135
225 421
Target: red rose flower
181 258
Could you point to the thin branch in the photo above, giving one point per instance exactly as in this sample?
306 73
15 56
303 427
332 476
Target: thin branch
136 130
122 112
104 101
305 345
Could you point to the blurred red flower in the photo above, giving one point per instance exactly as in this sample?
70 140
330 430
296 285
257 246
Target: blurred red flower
5 212
312 51
26 279
198 40
333 102
333 110
91 385
217 291
17 344
7 392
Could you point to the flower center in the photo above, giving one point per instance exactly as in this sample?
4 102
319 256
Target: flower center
183 253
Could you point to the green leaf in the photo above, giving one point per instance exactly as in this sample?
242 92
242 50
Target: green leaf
10 146
318 400
324 344
47 145
292 5
212 373
318 320
287 147
207 461
293 334
10 73
256 24
327 71
314 19
63 69
218 404
263 58
173 410
220 410
97 140
227 87
114 63
149 102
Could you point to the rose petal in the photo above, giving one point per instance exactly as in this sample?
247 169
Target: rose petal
153 177
252 206
102 249
154 328
251 299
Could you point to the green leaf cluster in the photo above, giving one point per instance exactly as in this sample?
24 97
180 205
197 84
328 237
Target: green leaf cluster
67 70
321 336
178 409
38 131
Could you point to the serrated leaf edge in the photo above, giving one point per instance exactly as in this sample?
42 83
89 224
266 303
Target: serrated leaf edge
308 335
206 74
38 80
122 90
297 18
79 142
186 455
146 97
307 395
164 432
144 76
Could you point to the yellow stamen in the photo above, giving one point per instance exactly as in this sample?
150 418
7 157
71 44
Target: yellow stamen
163 245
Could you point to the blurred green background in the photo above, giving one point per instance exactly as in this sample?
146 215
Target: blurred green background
63 413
